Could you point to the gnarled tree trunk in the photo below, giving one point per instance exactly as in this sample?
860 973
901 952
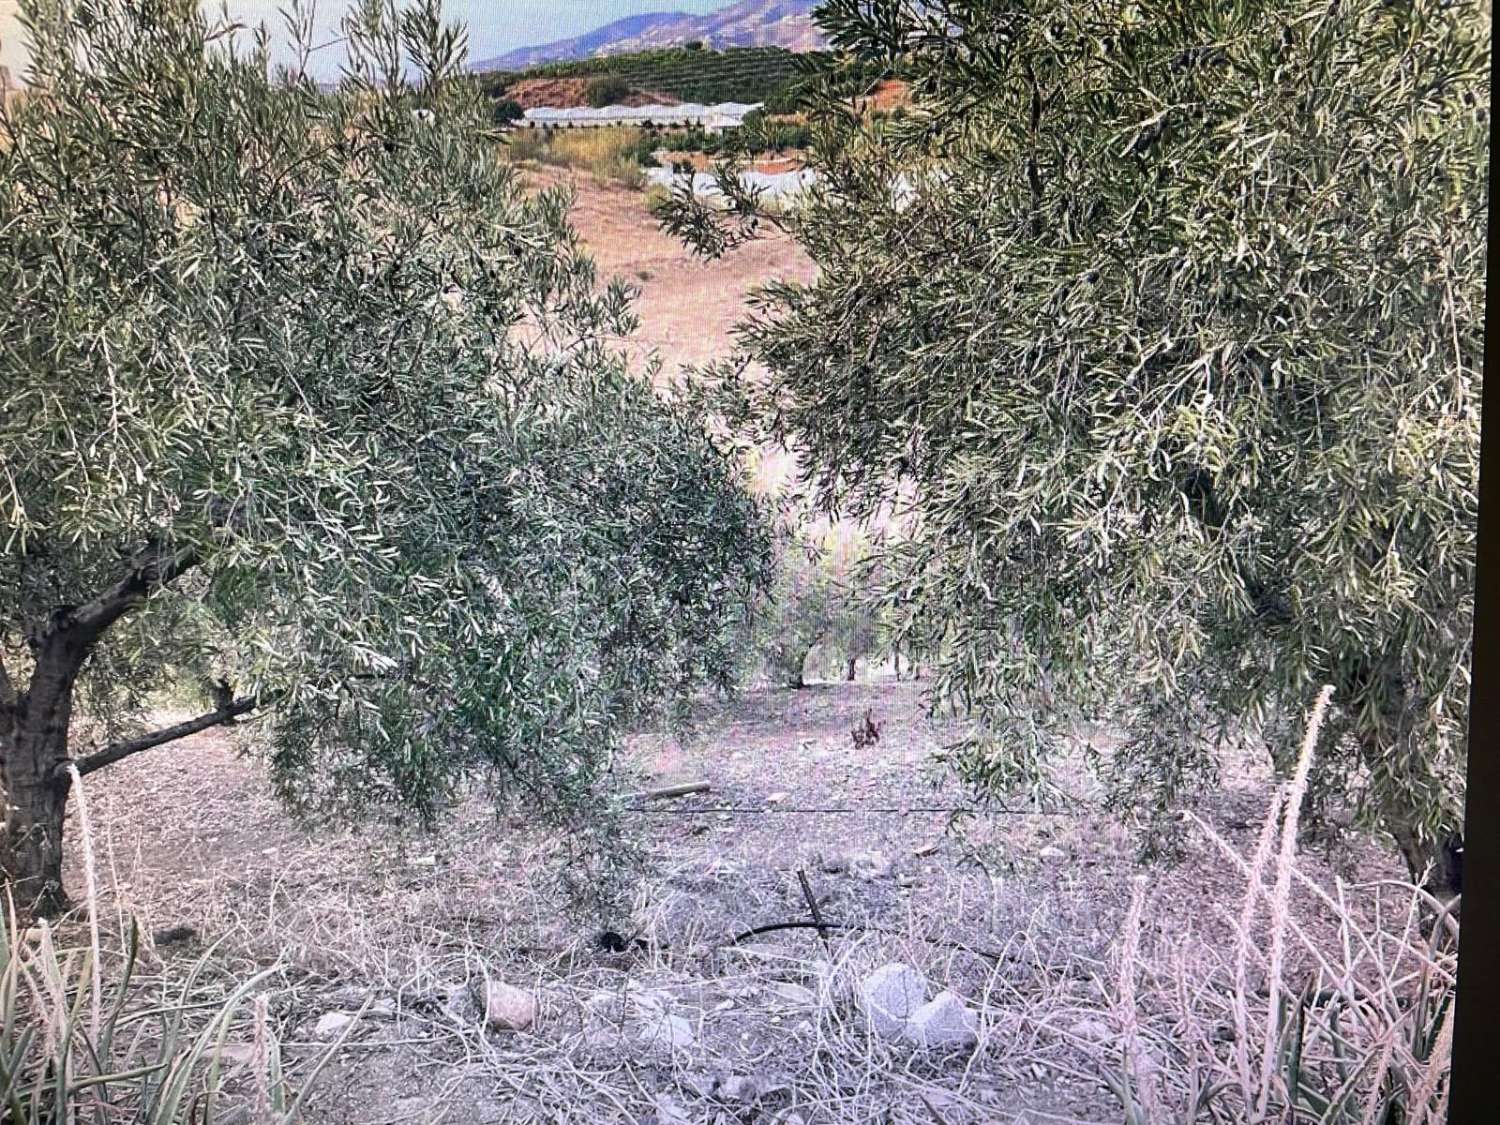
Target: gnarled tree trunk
34 742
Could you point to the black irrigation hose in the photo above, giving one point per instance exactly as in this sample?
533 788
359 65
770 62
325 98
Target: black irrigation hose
820 926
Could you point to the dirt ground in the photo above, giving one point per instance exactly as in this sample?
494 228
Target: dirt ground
687 306
1017 913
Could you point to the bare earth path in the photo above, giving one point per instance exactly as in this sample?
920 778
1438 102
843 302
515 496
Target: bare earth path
687 306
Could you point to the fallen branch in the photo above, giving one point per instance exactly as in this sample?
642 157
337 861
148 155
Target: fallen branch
812 905
685 789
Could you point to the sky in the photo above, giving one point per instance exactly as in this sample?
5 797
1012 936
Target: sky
495 26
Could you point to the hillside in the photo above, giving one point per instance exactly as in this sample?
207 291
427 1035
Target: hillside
750 23
740 74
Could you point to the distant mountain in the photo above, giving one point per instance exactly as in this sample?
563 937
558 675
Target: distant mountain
749 23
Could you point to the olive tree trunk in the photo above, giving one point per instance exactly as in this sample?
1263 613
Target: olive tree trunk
34 745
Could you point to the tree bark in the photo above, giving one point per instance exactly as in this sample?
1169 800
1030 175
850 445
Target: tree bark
1434 860
849 671
1440 860
35 747
34 726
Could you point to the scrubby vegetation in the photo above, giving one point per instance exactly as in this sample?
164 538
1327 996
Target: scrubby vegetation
612 155
762 133
86 1034
1131 390
819 600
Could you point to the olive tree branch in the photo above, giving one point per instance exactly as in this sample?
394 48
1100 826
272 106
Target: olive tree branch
118 750
153 568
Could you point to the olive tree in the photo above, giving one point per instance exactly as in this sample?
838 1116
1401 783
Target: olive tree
1168 317
797 611
303 396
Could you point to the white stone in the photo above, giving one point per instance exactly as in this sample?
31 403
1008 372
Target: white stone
331 1024
1052 854
890 995
507 1008
870 866
944 1021
668 1031
795 994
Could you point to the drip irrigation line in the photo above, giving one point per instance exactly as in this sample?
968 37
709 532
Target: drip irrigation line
681 811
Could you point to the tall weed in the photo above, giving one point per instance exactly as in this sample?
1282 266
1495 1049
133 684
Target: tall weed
1286 1025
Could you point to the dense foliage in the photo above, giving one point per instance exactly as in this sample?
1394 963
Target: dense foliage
762 134
304 395
607 89
1170 326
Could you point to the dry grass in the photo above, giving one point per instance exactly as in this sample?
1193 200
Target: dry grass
403 922
1360 1032
96 1030
608 154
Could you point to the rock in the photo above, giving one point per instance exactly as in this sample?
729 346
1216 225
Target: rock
669 1111
1052 854
507 1008
672 1032
383 1008
332 1024
795 994
944 1021
869 866
777 798
927 849
890 995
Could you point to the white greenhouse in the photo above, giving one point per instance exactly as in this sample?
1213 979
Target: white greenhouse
712 118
